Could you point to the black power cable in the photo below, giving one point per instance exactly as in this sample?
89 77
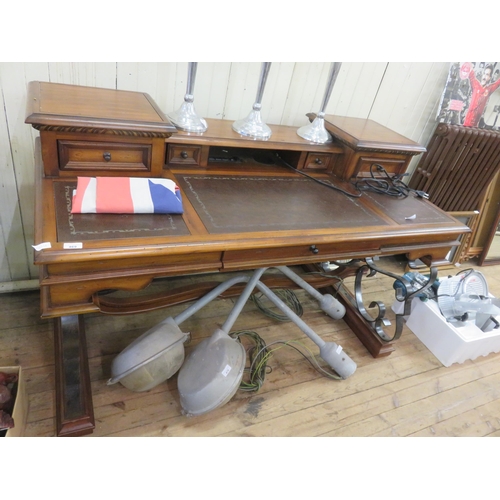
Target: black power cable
387 184
383 184
319 181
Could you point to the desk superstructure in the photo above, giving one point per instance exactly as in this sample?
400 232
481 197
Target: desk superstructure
245 206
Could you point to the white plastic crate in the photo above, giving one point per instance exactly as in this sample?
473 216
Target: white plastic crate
450 344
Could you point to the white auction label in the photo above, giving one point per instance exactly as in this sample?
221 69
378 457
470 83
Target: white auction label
72 245
226 370
41 246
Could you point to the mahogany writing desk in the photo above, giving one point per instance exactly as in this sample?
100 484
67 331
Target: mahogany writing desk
245 208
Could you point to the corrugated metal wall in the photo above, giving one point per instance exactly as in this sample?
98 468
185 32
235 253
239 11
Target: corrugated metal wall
401 96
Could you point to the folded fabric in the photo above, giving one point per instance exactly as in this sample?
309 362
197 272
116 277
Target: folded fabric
126 195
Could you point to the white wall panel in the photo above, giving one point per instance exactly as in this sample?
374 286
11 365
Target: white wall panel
211 89
83 73
355 93
402 96
170 87
384 108
10 216
407 105
307 82
133 76
242 90
105 75
276 91
14 78
423 123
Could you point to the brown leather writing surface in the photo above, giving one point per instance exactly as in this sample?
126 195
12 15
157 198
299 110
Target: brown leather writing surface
232 204
84 227
228 204
402 210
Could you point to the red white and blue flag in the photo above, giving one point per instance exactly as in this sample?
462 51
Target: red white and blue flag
126 195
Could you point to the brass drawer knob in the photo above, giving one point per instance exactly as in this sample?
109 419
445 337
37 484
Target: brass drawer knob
184 155
107 156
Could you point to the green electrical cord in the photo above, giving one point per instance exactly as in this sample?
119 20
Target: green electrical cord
259 355
287 296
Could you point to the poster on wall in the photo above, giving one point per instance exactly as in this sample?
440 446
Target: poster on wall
470 96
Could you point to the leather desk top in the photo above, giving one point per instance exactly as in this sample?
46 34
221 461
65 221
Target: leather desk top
246 204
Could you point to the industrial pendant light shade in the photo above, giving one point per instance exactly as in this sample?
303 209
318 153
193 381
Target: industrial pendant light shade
211 374
151 359
213 371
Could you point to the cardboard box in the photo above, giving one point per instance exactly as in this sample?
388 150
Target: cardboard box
20 412
449 343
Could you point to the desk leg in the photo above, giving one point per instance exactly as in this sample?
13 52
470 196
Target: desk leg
74 409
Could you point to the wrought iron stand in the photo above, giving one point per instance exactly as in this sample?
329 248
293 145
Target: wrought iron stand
370 327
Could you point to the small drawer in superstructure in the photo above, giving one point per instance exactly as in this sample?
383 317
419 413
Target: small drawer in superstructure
108 156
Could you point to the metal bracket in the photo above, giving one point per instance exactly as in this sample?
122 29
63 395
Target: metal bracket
404 294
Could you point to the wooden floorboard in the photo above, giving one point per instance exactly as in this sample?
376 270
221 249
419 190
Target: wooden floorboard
409 393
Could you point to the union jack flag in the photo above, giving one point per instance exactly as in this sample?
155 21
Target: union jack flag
126 195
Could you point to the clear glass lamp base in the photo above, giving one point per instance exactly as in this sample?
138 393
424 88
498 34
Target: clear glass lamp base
315 131
252 126
185 118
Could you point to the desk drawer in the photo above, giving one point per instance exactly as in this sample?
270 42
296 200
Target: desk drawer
179 154
162 265
395 165
82 155
318 161
300 254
